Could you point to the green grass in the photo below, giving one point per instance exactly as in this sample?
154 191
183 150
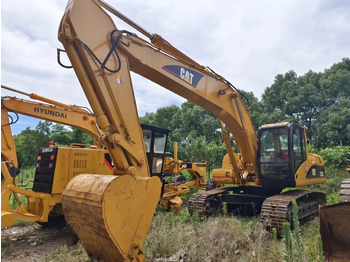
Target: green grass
74 253
25 176
223 238
213 239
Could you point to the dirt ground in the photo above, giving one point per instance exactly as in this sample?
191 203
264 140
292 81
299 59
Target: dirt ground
32 242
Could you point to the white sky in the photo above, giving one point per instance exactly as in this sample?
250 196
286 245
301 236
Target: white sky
248 42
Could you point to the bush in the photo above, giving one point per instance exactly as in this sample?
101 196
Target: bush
337 155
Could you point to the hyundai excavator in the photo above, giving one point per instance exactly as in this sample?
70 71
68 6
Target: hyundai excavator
56 165
112 214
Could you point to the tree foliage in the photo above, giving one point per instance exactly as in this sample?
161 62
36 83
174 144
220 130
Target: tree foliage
195 129
318 101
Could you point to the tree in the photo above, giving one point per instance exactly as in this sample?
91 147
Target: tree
81 137
307 99
196 130
334 125
253 104
28 142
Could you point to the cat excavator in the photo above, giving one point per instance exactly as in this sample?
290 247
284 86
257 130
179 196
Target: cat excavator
112 214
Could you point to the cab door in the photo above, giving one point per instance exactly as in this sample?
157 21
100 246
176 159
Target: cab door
155 140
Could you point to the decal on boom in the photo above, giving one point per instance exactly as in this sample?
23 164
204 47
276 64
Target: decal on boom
49 112
186 74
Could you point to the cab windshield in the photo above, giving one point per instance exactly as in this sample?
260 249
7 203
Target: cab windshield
274 159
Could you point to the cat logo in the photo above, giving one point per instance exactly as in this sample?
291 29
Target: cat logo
186 74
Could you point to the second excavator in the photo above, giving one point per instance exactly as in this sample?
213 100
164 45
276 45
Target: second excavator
112 214
56 165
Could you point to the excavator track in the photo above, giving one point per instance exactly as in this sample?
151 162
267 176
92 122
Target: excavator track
345 191
206 203
278 209
243 201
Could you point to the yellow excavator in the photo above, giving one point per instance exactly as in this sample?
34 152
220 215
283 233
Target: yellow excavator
179 184
56 165
112 214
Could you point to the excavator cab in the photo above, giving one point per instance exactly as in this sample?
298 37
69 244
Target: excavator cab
155 140
281 151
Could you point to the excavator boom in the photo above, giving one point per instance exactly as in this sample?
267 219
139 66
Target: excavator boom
181 76
51 110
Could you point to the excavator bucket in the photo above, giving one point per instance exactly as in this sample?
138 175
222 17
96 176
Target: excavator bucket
334 230
335 225
111 214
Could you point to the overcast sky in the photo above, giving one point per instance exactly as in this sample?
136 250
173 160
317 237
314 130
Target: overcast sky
248 42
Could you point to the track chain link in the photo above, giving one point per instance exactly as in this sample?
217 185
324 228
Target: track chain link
278 209
197 202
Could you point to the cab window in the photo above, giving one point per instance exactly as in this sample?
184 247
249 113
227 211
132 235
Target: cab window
159 142
147 138
299 151
274 145
274 158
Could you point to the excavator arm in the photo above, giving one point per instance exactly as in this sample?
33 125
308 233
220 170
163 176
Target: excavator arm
117 211
8 149
51 110
103 57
